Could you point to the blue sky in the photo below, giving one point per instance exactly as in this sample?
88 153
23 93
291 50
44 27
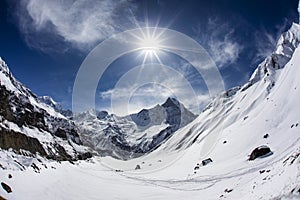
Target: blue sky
45 42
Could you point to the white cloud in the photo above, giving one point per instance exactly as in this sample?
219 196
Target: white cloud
220 42
224 51
147 96
144 87
81 23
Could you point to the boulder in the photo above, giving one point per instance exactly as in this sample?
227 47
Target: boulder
266 135
259 152
206 161
138 167
6 187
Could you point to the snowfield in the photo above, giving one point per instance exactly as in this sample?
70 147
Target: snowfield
265 111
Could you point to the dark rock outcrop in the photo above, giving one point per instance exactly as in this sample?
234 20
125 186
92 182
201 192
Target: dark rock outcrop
259 152
173 109
19 110
84 156
142 118
28 123
137 167
6 187
18 141
206 161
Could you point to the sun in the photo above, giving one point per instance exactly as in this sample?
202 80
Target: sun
150 45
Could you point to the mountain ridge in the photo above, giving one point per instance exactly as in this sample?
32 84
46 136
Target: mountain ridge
37 127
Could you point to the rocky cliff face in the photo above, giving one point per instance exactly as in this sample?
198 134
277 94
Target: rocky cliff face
28 124
18 141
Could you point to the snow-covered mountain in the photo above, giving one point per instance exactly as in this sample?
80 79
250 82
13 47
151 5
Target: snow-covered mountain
133 135
26 124
57 107
244 145
49 101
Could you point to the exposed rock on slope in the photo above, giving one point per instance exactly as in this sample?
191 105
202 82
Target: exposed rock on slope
28 124
259 152
18 141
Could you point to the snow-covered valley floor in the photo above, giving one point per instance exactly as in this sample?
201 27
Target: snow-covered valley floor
264 179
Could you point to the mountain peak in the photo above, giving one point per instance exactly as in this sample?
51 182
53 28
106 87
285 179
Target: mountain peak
284 51
295 28
291 36
171 102
3 66
49 101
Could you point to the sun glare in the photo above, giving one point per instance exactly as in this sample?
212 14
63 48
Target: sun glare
150 47
150 43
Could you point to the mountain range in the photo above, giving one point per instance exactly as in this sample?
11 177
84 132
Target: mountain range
133 135
244 145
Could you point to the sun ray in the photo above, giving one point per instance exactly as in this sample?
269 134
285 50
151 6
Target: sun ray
157 57
145 58
148 40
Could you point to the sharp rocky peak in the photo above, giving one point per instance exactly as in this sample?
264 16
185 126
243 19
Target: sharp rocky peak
285 48
3 66
266 70
171 102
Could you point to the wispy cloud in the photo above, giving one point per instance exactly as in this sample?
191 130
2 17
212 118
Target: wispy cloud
224 52
150 95
220 42
145 96
265 41
80 23
131 97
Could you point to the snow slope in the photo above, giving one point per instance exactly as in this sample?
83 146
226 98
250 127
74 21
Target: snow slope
265 111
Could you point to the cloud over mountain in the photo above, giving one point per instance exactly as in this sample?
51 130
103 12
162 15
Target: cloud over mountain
80 23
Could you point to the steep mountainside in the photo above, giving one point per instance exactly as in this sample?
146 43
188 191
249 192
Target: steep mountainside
27 124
